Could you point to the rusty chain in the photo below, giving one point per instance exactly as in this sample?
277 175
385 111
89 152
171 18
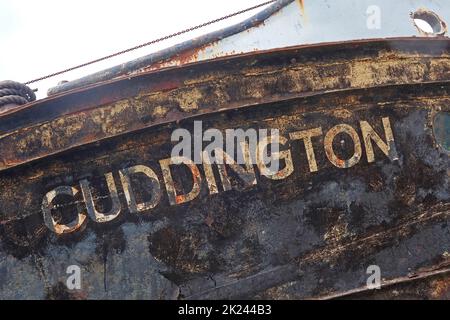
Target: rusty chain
151 42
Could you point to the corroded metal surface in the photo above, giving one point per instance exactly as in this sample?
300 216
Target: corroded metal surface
153 98
88 179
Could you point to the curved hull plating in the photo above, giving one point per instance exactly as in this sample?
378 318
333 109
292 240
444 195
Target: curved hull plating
87 180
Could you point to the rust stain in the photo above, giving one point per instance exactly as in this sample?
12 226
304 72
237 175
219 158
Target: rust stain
209 220
186 57
302 10
302 5
441 289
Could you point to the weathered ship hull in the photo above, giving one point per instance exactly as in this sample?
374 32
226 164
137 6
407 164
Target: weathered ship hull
364 180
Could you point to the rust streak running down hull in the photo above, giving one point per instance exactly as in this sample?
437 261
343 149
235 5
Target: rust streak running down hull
86 179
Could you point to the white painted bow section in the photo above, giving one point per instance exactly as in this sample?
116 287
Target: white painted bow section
320 21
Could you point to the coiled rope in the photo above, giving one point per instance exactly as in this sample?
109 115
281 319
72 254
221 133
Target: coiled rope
12 92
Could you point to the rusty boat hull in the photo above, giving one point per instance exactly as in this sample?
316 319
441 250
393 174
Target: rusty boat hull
364 180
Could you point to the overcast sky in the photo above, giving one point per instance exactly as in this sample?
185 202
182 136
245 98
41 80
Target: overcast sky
41 37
